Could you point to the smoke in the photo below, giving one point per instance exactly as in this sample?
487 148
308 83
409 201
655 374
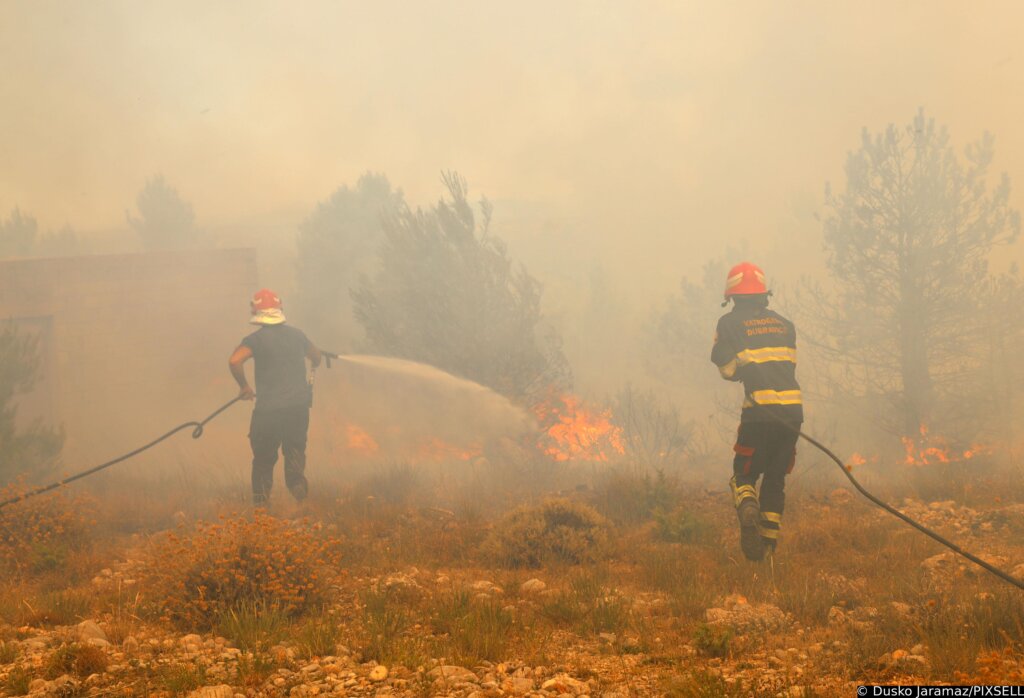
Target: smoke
624 147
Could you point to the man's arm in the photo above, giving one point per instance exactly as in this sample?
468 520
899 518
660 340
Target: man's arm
237 365
723 354
313 354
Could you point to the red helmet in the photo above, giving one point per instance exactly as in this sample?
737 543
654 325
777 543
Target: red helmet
745 279
265 299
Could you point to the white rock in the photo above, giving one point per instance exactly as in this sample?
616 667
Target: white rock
378 673
452 674
221 691
532 586
88 630
565 684
192 639
520 685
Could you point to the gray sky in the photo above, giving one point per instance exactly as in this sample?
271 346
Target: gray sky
661 130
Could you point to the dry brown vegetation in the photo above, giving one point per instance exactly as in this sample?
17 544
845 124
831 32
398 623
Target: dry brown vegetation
599 582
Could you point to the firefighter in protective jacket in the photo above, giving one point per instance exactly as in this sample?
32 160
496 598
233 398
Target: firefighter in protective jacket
757 346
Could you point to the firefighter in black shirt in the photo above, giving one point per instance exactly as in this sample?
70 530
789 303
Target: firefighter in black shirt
283 396
757 346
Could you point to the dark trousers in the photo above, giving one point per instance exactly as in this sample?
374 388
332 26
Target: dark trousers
285 430
768 449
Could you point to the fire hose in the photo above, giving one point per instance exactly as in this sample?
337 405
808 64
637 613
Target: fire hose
198 426
197 431
1005 576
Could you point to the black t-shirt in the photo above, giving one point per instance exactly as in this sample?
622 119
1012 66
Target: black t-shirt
279 352
757 346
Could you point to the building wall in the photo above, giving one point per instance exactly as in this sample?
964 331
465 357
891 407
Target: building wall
131 344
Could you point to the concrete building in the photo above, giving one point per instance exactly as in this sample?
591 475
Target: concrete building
130 344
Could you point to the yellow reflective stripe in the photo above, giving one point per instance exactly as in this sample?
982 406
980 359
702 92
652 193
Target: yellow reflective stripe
741 492
772 516
777 397
766 354
772 533
729 370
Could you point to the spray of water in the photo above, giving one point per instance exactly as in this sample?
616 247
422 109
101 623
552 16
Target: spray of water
404 406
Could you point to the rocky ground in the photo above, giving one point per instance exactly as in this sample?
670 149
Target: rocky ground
822 635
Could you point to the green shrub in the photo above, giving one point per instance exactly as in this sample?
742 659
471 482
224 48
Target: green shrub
82 660
712 640
557 530
628 496
680 526
17 681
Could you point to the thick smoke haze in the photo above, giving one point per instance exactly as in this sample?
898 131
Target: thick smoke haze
641 137
623 146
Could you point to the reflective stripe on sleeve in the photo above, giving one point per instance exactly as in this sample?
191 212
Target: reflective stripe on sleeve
776 397
760 356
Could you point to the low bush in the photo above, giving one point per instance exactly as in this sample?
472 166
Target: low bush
629 496
82 660
680 525
201 575
712 640
17 681
557 530
40 534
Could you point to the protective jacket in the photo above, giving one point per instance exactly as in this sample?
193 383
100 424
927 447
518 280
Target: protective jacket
757 346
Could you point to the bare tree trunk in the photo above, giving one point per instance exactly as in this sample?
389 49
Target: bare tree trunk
914 366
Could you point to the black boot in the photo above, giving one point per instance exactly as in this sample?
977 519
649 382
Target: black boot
751 543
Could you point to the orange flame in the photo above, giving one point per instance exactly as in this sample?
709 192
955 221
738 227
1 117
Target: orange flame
927 449
573 432
358 439
435 449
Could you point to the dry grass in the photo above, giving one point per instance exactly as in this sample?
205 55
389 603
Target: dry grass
631 562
